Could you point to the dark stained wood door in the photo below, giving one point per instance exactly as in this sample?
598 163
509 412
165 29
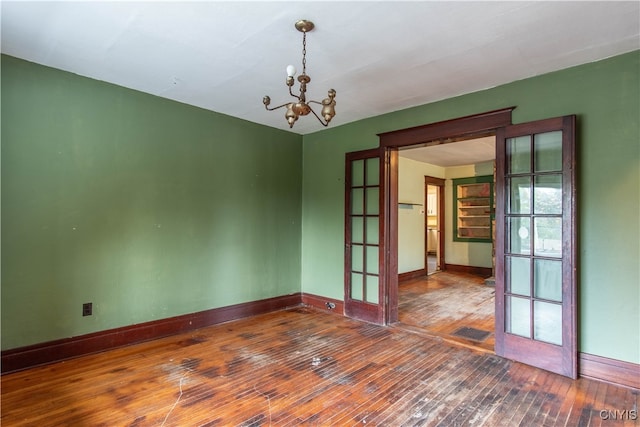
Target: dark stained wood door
364 237
536 244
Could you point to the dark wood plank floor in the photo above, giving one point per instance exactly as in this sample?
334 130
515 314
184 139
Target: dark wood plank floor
302 367
444 302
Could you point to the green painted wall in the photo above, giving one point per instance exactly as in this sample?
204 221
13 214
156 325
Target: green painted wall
146 207
606 96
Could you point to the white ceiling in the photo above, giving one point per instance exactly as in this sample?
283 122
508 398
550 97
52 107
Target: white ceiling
458 153
379 56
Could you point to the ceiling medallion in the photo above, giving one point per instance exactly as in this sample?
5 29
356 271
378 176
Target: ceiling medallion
301 107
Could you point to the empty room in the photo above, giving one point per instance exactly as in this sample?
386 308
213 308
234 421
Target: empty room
230 213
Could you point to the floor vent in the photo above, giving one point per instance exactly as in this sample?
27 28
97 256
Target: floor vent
472 333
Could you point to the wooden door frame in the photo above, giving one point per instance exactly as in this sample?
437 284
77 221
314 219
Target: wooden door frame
436 182
474 126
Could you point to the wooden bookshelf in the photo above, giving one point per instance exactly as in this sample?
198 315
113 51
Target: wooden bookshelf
473 201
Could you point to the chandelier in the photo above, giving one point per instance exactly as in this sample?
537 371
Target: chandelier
301 106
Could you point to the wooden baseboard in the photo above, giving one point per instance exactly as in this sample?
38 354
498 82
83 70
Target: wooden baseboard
54 351
611 371
412 275
323 303
479 271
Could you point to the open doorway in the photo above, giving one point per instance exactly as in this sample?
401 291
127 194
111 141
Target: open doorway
452 299
434 224
527 153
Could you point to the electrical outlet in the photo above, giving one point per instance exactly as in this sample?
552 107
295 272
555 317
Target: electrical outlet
330 305
87 309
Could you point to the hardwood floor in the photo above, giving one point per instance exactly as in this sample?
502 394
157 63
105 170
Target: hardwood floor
303 366
442 303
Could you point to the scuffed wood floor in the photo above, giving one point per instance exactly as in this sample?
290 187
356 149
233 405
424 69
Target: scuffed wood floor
301 367
442 303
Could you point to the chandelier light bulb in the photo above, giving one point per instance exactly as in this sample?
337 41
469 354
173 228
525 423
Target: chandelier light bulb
291 71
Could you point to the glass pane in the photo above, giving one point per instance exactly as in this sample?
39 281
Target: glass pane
372 259
547 279
357 201
357 173
373 201
519 154
357 228
357 258
518 316
373 230
548 151
356 286
547 321
373 171
547 194
519 195
372 289
548 241
518 236
518 276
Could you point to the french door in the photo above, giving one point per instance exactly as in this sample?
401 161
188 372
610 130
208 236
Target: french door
536 244
364 237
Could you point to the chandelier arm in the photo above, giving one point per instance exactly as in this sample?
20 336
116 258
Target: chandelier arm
279 106
325 124
293 94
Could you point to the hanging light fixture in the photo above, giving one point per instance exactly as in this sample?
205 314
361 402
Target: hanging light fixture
301 107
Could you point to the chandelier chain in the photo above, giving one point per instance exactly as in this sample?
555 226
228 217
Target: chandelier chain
304 53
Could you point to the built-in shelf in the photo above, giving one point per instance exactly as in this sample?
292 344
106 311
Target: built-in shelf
473 201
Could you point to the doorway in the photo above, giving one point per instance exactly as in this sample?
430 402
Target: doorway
434 224
454 304
536 155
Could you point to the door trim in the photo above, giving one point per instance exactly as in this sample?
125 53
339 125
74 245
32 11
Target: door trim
467 127
389 218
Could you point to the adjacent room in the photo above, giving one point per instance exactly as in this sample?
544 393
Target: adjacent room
320 213
447 289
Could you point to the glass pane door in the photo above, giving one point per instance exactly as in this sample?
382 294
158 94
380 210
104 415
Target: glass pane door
362 236
535 311
534 250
